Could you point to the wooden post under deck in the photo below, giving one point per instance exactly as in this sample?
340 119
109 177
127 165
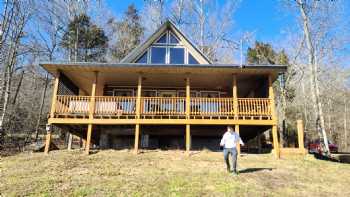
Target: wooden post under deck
188 113
238 146
47 143
274 118
300 127
88 139
70 141
138 111
91 114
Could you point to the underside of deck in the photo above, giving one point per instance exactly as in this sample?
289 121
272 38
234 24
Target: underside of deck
160 136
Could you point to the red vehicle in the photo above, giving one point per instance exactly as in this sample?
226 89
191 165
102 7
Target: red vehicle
315 147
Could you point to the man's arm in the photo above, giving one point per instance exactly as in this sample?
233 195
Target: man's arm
239 140
223 139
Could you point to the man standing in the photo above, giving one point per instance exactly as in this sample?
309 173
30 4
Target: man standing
229 142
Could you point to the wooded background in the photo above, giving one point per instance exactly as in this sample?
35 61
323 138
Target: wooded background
315 88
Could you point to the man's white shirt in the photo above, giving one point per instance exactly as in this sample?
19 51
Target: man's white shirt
229 140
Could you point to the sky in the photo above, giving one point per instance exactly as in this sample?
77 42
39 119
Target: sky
268 20
263 17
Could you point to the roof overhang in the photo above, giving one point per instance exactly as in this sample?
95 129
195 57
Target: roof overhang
53 67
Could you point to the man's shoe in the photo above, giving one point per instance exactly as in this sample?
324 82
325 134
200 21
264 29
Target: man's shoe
235 173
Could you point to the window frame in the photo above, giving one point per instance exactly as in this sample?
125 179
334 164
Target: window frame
167 47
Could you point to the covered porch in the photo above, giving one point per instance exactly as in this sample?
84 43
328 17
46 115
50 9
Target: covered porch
240 95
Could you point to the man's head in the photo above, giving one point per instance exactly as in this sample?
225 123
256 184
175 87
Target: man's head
229 129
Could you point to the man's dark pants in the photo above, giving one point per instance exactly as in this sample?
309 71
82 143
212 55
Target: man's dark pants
233 153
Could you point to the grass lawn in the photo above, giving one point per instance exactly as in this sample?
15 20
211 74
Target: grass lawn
168 173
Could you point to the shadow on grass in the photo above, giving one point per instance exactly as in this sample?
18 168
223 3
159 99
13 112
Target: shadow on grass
340 157
251 170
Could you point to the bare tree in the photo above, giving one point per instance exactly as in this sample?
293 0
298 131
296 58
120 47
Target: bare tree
16 19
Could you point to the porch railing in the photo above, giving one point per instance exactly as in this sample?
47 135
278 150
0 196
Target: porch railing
169 106
163 106
254 107
112 105
212 106
67 105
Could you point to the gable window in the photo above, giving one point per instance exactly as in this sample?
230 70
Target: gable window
168 49
177 56
162 40
158 55
143 58
191 59
173 39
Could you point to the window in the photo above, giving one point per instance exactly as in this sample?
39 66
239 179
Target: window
158 55
162 39
177 55
143 58
173 39
191 59
168 49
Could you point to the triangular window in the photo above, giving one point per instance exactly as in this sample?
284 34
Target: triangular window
191 59
162 40
173 39
143 58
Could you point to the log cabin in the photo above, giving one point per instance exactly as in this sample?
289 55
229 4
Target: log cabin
164 93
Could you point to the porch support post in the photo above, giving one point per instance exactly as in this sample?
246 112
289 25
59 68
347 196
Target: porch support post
234 95
300 127
48 141
274 118
188 139
93 99
70 141
88 139
238 145
138 112
52 112
188 113
91 113
54 95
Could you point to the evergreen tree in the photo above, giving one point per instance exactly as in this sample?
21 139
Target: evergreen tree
84 40
128 32
261 54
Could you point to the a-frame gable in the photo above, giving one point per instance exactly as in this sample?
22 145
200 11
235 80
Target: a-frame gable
166 34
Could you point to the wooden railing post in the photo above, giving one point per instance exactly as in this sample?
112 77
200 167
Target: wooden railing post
91 113
54 95
188 113
138 111
274 118
235 96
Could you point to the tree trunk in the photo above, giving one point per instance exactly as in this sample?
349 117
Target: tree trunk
18 88
41 106
345 125
315 92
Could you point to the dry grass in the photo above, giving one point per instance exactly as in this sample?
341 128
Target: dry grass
167 173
